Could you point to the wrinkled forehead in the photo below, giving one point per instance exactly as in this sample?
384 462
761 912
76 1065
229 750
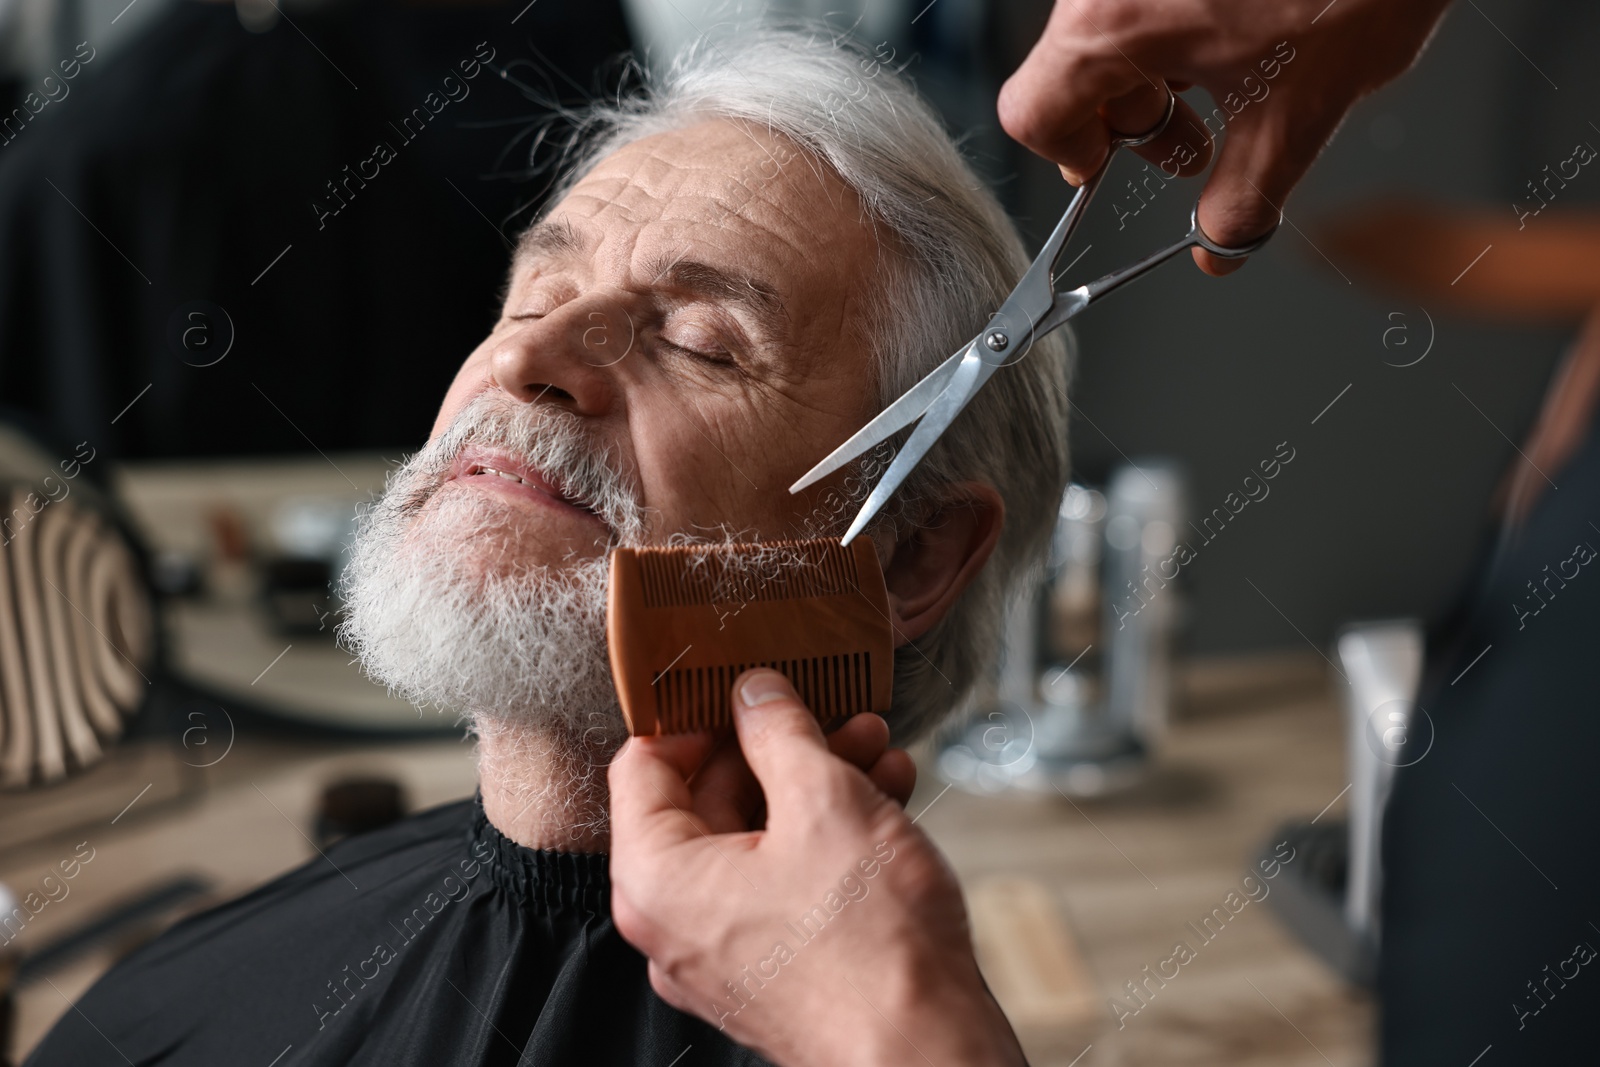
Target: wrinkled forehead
722 175
730 194
708 170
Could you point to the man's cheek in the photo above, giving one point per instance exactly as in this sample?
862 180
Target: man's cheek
701 438
751 471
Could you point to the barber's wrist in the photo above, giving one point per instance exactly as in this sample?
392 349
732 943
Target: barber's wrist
963 1024
939 1010
894 1014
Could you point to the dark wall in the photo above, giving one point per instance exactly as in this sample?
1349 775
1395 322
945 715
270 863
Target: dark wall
232 240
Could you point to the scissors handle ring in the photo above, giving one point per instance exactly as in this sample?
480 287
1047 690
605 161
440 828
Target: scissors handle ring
1223 251
1125 141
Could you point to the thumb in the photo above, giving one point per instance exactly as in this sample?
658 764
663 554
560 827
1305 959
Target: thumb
780 737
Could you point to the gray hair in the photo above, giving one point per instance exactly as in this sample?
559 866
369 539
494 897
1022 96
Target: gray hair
951 259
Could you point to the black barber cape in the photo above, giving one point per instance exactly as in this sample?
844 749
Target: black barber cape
433 942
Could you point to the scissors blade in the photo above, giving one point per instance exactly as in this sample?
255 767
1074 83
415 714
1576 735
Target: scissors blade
967 379
1033 297
894 418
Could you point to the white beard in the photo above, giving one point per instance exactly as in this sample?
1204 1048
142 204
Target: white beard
440 609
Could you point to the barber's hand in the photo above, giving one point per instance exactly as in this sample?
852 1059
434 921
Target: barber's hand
783 894
1283 74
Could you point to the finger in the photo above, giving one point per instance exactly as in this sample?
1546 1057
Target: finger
1184 148
726 793
672 992
861 740
1051 103
1137 111
1085 149
650 796
780 737
1262 160
636 926
685 752
896 774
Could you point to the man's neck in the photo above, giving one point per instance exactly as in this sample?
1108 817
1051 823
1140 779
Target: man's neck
544 788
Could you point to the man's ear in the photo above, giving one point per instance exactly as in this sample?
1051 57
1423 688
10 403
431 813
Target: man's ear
931 567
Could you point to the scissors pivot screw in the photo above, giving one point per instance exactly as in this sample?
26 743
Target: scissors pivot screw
997 341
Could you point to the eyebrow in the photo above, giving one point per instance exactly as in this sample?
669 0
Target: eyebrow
552 237
759 299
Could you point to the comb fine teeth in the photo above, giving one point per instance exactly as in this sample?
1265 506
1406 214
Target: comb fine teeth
682 622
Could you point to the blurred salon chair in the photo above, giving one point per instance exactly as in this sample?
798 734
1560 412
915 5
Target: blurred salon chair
78 633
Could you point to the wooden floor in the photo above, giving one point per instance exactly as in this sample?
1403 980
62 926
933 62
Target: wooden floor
1119 880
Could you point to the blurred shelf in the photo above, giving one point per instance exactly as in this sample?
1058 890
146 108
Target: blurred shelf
223 640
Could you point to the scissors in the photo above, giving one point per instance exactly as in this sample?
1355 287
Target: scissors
1032 310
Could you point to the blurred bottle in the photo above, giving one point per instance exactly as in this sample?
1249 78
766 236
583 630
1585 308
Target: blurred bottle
1083 692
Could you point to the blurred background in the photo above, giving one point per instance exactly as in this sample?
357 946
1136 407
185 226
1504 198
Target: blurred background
231 329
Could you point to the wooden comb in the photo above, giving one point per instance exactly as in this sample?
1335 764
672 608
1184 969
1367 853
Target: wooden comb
683 622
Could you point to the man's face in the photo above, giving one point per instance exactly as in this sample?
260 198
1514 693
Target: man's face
697 302
682 339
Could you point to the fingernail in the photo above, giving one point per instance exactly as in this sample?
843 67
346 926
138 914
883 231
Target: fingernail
763 687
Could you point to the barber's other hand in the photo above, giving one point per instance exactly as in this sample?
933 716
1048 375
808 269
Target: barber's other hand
1282 72
834 934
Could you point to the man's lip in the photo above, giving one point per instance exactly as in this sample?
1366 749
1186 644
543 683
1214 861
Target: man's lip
506 473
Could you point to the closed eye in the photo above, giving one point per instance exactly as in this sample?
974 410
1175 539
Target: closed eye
719 357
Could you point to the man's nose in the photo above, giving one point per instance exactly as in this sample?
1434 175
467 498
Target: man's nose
568 357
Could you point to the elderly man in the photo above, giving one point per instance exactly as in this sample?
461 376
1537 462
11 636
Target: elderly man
742 265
